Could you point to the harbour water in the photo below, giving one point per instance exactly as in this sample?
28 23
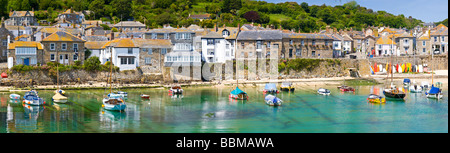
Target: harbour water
209 110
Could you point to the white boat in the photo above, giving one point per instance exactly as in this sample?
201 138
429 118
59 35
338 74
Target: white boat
59 98
14 96
114 104
415 88
434 93
273 101
425 85
176 90
31 98
323 91
125 94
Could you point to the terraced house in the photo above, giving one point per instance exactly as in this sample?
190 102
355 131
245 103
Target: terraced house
21 18
307 45
259 44
5 36
439 39
64 48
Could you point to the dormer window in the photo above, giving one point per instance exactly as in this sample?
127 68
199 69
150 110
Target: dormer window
225 33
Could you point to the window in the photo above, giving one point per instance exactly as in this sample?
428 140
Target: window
75 57
243 45
130 50
210 52
150 51
406 41
154 36
443 38
52 46
210 41
5 42
275 46
302 42
130 60
258 44
326 42
435 39
298 52
52 57
63 46
379 46
225 33
268 44
423 43
290 42
166 36
26 51
250 54
423 50
148 60
313 53
227 46
313 42
123 61
163 51
75 47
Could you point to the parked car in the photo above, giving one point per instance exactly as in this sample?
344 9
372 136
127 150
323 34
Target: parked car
436 52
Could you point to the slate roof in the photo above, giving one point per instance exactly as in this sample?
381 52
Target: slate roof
153 43
213 35
95 38
94 44
120 43
129 24
260 35
440 30
62 36
20 13
305 36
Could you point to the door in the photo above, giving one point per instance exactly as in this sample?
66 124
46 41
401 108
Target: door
61 59
26 61
66 59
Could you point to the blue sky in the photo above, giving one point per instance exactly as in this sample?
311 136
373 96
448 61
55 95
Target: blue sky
425 10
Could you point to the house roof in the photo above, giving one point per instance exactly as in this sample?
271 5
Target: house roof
95 38
62 36
152 43
306 36
233 32
200 16
129 24
260 35
213 35
120 43
49 30
20 13
92 22
440 30
385 41
33 44
94 44
70 11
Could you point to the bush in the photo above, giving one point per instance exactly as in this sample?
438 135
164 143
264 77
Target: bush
92 64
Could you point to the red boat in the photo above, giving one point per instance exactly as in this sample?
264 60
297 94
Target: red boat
145 96
347 89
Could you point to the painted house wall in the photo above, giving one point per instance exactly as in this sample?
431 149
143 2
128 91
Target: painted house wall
119 53
219 51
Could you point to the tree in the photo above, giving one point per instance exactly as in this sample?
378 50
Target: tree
229 5
97 7
92 64
305 7
251 16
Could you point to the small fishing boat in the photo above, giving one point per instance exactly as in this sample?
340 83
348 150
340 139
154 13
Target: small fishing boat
376 99
238 94
59 98
270 88
273 100
31 98
176 90
406 82
346 89
394 93
434 93
114 104
14 96
415 88
145 96
125 94
323 91
287 86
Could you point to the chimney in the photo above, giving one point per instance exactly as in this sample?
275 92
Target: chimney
9 40
215 27
351 29
92 32
334 30
42 36
112 35
132 36
224 26
239 27
327 29
3 22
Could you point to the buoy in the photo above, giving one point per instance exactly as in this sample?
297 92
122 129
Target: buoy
103 105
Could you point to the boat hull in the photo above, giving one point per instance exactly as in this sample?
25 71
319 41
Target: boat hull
287 89
435 96
393 95
113 107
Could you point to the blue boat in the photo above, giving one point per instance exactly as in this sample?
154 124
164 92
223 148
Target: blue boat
114 104
238 94
270 88
434 93
31 98
406 82
273 100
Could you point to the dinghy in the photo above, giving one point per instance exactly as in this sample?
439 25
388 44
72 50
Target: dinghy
323 91
14 96
59 98
145 96
406 82
238 94
113 104
176 90
415 88
273 100
434 93
376 99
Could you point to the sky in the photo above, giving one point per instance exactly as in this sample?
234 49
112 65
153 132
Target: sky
425 10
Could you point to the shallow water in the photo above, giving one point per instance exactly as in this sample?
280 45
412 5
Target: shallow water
208 109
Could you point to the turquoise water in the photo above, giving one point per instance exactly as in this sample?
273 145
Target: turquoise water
209 110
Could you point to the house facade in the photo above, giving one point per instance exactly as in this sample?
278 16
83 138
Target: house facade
385 46
5 37
255 44
439 39
70 17
152 53
124 53
64 48
22 18
25 53
130 26
215 49
307 45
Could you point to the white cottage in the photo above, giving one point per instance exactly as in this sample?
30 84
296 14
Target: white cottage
125 54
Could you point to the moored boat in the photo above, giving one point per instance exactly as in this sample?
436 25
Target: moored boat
376 99
14 96
434 93
323 91
415 88
31 98
347 89
270 88
176 90
145 96
394 93
287 86
59 98
114 104
273 100
238 94
406 82
125 94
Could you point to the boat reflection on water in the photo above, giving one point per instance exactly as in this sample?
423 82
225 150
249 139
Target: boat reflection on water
32 111
15 102
176 96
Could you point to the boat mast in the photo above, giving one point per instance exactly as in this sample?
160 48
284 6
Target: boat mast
110 72
57 76
392 52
